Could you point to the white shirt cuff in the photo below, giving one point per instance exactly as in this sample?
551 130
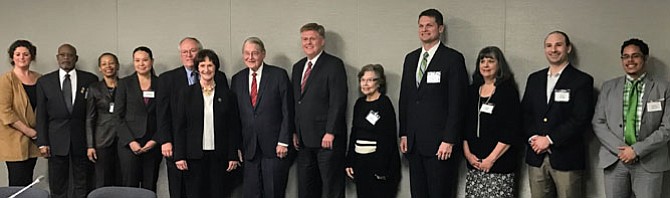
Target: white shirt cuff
282 144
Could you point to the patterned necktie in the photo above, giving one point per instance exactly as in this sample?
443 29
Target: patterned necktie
422 69
67 92
304 77
631 114
254 90
192 78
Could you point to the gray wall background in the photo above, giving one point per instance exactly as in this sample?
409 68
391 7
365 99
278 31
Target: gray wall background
359 32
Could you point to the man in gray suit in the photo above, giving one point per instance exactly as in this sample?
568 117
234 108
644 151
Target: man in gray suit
631 121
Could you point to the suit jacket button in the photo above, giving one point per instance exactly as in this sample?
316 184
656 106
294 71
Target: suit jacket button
545 120
417 102
299 102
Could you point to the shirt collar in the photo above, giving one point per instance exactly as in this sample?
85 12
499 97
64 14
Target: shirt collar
559 72
259 71
432 50
315 59
641 78
62 73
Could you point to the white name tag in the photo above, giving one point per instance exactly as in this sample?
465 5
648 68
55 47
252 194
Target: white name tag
373 117
111 107
487 108
654 106
433 77
148 94
562 95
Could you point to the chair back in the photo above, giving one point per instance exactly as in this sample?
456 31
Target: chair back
124 192
29 193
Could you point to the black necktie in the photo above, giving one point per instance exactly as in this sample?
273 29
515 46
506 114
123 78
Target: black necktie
67 92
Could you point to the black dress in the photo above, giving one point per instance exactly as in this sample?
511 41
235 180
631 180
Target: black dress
501 125
376 173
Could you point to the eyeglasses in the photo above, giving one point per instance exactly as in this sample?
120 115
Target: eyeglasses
634 56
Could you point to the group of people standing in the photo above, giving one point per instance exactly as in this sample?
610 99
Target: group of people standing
116 131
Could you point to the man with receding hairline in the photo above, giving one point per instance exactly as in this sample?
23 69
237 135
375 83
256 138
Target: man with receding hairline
557 107
61 124
177 79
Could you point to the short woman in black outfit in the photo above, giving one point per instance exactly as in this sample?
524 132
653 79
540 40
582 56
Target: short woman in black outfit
101 122
373 161
493 120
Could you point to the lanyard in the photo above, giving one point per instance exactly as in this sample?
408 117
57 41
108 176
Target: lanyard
479 104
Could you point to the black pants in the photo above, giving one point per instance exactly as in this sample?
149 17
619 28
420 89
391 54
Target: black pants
321 171
139 170
59 175
265 176
370 182
106 167
176 179
21 173
207 177
430 177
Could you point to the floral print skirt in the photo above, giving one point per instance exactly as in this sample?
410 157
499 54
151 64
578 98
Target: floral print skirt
480 184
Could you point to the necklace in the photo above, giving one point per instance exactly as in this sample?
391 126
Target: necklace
479 104
207 90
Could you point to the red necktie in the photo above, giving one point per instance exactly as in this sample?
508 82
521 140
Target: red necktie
304 77
254 92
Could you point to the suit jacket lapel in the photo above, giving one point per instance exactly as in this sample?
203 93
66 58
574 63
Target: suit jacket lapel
135 85
315 70
261 89
648 86
563 80
433 62
298 79
57 85
617 104
245 87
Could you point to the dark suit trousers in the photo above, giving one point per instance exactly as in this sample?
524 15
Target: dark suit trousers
265 177
175 179
321 172
206 177
136 169
21 173
106 167
59 175
430 177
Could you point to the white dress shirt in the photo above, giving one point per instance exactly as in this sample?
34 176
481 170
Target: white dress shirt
313 64
208 122
73 81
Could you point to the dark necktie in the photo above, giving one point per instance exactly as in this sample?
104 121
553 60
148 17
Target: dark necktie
306 76
67 92
254 88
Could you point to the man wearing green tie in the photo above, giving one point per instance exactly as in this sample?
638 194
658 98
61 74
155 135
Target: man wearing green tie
631 122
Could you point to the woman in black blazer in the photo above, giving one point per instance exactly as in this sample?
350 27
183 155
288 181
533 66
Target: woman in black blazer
492 127
373 160
101 122
208 131
138 155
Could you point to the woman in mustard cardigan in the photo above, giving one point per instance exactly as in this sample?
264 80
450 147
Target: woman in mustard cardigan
17 104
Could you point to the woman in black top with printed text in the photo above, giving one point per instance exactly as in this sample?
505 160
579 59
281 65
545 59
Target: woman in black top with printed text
373 161
493 120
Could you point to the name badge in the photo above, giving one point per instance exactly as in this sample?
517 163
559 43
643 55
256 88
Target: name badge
148 94
654 106
373 117
433 77
487 108
562 95
111 107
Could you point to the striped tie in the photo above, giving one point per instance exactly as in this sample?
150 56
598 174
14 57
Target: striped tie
420 72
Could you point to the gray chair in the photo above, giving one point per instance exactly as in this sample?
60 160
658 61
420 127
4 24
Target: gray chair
124 192
29 193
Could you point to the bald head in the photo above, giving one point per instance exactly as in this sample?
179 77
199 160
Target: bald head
67 57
